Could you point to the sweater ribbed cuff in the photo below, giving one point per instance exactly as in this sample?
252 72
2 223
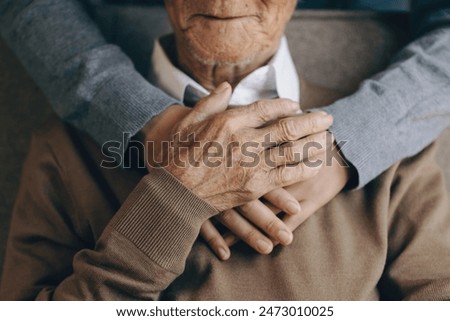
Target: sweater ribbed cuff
162 218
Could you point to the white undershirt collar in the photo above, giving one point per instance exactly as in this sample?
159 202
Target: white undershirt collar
276 79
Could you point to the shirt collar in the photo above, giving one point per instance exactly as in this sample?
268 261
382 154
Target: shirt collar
276 79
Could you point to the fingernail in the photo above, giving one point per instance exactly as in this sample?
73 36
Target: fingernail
264 246
285 237
293 208
224 254
222 88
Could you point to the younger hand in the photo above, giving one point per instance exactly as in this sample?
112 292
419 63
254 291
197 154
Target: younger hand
310 195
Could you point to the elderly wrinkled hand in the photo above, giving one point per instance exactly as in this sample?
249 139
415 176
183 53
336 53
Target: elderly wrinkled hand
244 164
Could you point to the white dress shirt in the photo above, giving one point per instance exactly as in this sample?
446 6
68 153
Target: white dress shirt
277 79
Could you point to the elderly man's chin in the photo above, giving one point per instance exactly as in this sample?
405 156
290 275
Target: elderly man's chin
231 41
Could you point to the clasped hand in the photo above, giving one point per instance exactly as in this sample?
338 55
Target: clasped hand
286 169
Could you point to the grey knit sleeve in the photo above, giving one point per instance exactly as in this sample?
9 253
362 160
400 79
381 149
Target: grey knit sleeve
401 110
91 84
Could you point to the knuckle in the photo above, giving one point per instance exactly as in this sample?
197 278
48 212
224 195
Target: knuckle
262 110
271 227
289 153
313 124
251 236
280 175
288 175
214 241
226 217
287 129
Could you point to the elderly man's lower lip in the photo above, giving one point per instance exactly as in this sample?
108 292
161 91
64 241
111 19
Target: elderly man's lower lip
221 18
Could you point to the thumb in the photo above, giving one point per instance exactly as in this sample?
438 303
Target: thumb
215 103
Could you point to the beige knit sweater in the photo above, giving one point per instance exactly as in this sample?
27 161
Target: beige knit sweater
72 239
80 231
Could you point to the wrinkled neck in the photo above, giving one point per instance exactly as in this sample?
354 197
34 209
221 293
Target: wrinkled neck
210 74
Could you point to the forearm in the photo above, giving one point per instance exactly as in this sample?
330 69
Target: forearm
63 246
398 112
143 249
90 83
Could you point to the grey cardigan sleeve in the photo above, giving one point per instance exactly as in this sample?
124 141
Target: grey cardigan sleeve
401 110
91 84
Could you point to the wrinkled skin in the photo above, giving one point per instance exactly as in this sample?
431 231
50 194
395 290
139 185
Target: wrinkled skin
228 183
224 40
